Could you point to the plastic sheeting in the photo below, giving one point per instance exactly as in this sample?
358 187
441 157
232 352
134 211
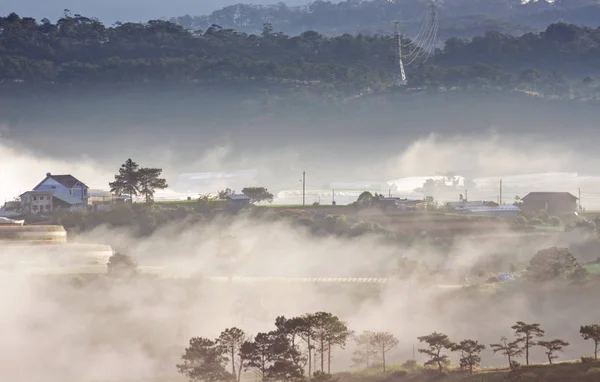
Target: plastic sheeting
6 221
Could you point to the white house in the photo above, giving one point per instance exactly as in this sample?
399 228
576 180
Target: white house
55 192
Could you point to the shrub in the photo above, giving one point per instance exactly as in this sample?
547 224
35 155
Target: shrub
410 365
554 221
579 275
121 265
396 375
520 220
536 221
587 359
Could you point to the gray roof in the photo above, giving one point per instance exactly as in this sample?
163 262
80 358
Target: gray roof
549 196
69 181
238 197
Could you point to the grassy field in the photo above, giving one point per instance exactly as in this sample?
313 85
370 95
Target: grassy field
560 372
183 201
593 268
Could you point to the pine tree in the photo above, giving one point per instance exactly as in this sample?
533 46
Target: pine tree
127 180
149 182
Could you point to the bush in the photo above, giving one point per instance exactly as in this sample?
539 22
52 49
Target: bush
121 265
410 365
536 221
396 375
587 360
520 220
579 275
552 263
554 221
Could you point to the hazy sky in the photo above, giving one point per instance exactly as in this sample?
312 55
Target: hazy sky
110 11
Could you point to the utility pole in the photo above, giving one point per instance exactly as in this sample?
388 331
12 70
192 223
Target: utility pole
500 191
303 187
466 196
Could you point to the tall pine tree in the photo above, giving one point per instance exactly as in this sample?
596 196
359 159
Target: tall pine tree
127 180
150 181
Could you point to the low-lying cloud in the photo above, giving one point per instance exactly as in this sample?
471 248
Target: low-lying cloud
477 156
105 329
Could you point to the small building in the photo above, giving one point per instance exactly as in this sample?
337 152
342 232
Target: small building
402 204
555 203
465 206
55 192
507 210
236 202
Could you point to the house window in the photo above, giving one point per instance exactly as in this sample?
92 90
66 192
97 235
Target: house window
35 198
35 207
48 198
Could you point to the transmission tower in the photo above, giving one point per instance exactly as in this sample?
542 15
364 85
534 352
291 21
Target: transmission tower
420 47
400 79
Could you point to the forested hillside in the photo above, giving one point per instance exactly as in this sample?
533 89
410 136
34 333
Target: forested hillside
78 50
458 18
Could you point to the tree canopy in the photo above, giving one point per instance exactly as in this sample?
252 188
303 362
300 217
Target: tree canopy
437 343
591 332
133 180
553 263
457 17
469 354
258 194
525 334
81 51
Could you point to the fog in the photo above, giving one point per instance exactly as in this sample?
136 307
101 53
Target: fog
118 330
344 147
84 329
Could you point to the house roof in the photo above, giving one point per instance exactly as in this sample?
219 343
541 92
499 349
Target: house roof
549 196
41 192
72 200
238 197
469 205
503 207
69 181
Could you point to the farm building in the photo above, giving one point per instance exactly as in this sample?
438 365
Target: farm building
556 203
44 249
402 204
501 210
464 205
236 202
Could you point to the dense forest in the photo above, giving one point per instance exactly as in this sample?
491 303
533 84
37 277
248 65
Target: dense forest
458 18
78 50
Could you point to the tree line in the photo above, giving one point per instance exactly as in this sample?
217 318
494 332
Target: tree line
79 50
134 181
457 17
301 347
296 344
